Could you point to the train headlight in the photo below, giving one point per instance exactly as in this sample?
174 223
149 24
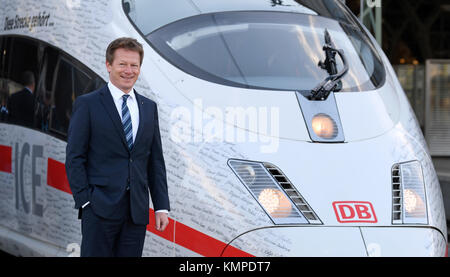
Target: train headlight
275 202
324 126
413 202
274 192
409 200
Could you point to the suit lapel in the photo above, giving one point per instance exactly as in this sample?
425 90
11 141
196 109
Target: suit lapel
108 103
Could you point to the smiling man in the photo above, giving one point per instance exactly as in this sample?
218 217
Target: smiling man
114 158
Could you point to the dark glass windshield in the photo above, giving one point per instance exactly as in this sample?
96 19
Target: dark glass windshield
266 49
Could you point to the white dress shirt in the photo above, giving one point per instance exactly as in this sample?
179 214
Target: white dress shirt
132 104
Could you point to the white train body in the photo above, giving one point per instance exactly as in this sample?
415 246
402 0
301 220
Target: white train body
373 192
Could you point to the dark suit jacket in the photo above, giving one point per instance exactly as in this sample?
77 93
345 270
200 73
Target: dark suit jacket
101 169
21 108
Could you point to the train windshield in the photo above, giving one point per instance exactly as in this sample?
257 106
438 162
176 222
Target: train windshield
267 50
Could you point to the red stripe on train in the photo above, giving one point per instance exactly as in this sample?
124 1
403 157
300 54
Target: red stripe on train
194 240
5 159
56 176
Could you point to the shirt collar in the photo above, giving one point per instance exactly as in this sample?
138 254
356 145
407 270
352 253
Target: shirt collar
117 93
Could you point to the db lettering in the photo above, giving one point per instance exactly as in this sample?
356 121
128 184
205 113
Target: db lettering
351 211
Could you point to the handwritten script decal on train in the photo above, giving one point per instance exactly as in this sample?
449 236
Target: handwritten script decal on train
29 22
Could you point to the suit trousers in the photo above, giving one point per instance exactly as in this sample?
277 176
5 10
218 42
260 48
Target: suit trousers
103 237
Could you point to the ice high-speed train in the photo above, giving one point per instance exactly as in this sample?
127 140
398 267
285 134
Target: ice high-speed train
285 130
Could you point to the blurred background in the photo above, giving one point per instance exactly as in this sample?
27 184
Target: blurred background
415 36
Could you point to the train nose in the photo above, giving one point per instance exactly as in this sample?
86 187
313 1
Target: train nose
313 241
404 241
302 241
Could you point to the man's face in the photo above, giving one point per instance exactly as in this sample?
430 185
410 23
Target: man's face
124 70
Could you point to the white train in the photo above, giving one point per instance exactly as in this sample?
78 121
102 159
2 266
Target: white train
285 130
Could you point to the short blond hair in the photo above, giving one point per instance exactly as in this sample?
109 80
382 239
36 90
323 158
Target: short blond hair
125 43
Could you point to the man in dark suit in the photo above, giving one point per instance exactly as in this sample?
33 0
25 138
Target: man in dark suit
114 157
21 103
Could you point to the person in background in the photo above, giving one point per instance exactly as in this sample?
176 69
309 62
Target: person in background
21 103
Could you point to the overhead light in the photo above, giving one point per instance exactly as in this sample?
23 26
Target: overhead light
321 118
324 126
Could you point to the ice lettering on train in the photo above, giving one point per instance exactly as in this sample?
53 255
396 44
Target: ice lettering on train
26 152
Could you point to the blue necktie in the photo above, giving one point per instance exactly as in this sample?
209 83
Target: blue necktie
126 121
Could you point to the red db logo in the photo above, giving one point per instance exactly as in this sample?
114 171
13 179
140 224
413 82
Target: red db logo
351 212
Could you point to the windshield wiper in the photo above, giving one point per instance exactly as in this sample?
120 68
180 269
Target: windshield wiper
333 81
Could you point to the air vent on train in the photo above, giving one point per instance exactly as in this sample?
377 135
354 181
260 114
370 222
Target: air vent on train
397 202
292 192
274 192
409 204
